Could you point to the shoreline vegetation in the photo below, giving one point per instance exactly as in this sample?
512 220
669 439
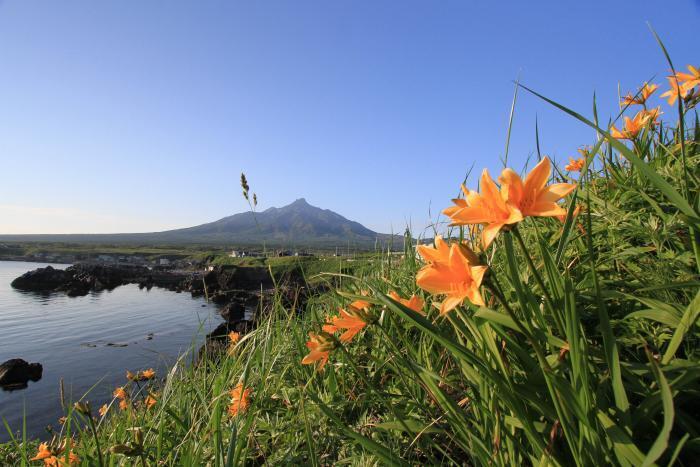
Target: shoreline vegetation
185 257
555 324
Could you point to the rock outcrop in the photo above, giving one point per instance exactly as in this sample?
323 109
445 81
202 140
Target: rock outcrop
82 278
217 341
16 373
41 280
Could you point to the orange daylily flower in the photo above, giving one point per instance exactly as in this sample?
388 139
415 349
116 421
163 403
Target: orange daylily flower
533 197
652 115
150 401
682 83
353 320
689 80
516 200
415 303
140 375
575 165
43 453
103 410
54 456
676 89
452 271
585 151
320 346
123 404
119 393
234 337
632 126
329 327
239 400
361 304
641 97
488 207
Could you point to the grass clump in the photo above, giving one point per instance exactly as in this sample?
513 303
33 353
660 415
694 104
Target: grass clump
535 333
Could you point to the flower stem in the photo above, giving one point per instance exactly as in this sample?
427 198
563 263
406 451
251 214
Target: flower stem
536 275
97 441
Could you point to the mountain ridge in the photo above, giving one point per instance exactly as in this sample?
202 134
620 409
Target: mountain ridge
298 224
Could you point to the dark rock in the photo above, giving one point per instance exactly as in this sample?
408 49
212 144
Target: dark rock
222 281
42 279
220 298
16 373
221 331
233 311
212 350
80 279
216 343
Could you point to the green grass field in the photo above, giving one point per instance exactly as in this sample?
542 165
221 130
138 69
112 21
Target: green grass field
583 353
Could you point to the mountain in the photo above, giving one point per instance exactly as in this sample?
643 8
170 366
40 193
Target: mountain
296 225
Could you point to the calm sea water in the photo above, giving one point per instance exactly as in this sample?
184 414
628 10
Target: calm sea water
71 337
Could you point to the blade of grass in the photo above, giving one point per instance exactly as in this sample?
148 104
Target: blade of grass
661 443
689 318
371 446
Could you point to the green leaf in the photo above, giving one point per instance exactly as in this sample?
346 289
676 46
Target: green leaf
416 426
377 449
689 318
661 443
496 317
625 450
655 315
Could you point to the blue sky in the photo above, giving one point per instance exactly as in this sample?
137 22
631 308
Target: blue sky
140 116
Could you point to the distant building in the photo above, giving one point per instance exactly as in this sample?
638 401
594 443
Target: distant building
163 262
105 258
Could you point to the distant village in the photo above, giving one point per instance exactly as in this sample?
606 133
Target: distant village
157 261
166 261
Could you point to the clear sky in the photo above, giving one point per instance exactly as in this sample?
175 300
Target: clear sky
130 116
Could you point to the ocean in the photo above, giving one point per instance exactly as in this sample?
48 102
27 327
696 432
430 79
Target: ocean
89 342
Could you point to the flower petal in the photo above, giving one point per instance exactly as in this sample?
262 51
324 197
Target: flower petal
489 233
450 303
538 176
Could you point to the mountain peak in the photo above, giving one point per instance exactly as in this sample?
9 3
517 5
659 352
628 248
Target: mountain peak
299 205
296 223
